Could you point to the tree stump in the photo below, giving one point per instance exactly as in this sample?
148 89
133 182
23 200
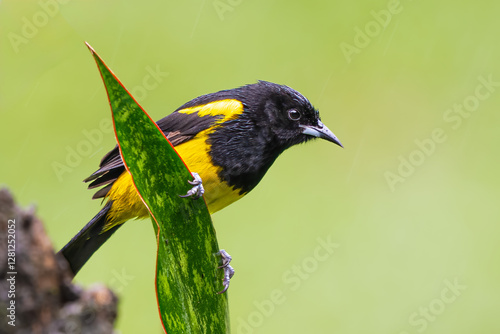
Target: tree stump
36 290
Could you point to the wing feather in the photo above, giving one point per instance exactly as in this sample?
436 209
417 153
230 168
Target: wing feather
178 127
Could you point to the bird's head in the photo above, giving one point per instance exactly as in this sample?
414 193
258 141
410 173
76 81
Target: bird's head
287 114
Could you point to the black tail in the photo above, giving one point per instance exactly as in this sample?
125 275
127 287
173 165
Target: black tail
79 250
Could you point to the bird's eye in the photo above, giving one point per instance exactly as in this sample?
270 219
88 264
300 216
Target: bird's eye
294 114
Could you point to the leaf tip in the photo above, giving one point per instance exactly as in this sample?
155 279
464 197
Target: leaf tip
90 47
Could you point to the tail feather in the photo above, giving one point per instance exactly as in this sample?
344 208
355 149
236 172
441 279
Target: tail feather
79 250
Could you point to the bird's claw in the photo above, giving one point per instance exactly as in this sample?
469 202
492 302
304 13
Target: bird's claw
197 191
228 270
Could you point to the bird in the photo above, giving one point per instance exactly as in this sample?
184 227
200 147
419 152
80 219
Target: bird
229 139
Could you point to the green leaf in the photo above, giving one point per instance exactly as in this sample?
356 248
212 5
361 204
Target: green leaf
187 278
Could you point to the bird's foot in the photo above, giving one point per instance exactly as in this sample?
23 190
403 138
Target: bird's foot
197 191
228 270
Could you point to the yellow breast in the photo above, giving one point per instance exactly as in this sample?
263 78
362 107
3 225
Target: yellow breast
128 205
195 153
218 194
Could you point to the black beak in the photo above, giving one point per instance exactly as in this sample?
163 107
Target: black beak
320 131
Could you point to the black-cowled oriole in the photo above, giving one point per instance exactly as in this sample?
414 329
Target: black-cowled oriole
230 138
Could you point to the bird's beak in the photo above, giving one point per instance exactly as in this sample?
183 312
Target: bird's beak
320 131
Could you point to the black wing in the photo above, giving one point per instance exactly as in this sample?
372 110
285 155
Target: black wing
177 127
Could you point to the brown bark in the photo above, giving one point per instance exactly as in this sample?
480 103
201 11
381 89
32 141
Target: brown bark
36 292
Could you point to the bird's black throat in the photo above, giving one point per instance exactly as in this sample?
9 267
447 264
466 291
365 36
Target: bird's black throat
245 151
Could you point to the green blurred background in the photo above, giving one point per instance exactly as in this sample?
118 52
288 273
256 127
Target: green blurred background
411 203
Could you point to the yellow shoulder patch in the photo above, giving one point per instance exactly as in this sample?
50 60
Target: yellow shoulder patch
229 109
